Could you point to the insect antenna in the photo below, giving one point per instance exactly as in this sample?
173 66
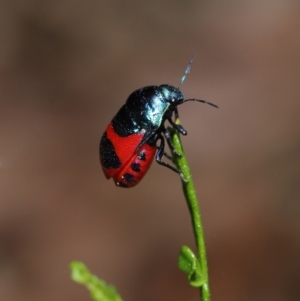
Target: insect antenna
203 101
186 72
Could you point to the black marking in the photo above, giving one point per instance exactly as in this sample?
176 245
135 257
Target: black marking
108 156
136 167
122 123
142 156
137 115
128 178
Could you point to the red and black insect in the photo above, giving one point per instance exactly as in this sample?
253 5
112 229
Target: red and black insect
137 133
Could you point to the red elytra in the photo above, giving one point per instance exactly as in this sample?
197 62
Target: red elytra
134 163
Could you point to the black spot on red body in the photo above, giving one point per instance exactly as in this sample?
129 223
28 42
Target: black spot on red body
135 166
129 178
108 156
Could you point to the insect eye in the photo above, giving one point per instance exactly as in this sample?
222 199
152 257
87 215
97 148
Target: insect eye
173 100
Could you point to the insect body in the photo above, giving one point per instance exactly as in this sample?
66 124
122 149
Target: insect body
137 133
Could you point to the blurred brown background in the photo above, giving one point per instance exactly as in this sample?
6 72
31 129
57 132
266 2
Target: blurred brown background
66 67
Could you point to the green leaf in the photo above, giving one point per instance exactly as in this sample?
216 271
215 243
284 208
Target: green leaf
189 263
100 291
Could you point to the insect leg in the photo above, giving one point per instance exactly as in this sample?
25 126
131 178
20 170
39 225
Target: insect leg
166 154
178 127
160 154
176 113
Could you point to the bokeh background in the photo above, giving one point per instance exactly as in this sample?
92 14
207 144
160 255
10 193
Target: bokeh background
66 67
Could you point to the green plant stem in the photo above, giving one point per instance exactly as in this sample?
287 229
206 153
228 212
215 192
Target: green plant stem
192 202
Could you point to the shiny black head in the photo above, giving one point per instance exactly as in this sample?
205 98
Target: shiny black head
175 97
171 94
